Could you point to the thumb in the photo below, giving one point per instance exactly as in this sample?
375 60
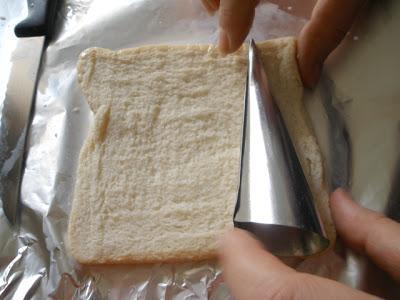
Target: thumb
252 273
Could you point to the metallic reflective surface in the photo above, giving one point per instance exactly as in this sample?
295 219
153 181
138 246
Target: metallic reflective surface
34 260
274 200
15 118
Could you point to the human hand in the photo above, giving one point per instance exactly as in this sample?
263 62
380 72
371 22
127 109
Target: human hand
253 273
329 23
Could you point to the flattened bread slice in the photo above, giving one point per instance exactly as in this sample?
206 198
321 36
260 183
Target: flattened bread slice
158 173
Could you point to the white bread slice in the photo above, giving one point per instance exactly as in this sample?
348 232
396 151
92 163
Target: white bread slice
158 173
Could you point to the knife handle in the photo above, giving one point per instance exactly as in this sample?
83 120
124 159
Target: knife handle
40 20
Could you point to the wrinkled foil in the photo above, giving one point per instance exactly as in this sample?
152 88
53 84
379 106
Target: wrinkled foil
355 111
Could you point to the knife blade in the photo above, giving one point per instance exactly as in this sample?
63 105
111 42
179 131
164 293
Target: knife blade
34 33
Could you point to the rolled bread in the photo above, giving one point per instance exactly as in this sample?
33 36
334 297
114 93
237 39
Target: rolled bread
158 174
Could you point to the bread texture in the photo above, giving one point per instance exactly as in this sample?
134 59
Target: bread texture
158 174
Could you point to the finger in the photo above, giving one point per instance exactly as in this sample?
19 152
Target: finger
252 273
214 4
210 5
329 23
238 242
367 231
235 19
244 261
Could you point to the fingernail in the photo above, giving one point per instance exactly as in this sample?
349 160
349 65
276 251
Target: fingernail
213 4
224 43
210 7
343 191
340 194
207 6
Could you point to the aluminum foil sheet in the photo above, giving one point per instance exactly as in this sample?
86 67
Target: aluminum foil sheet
355 110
